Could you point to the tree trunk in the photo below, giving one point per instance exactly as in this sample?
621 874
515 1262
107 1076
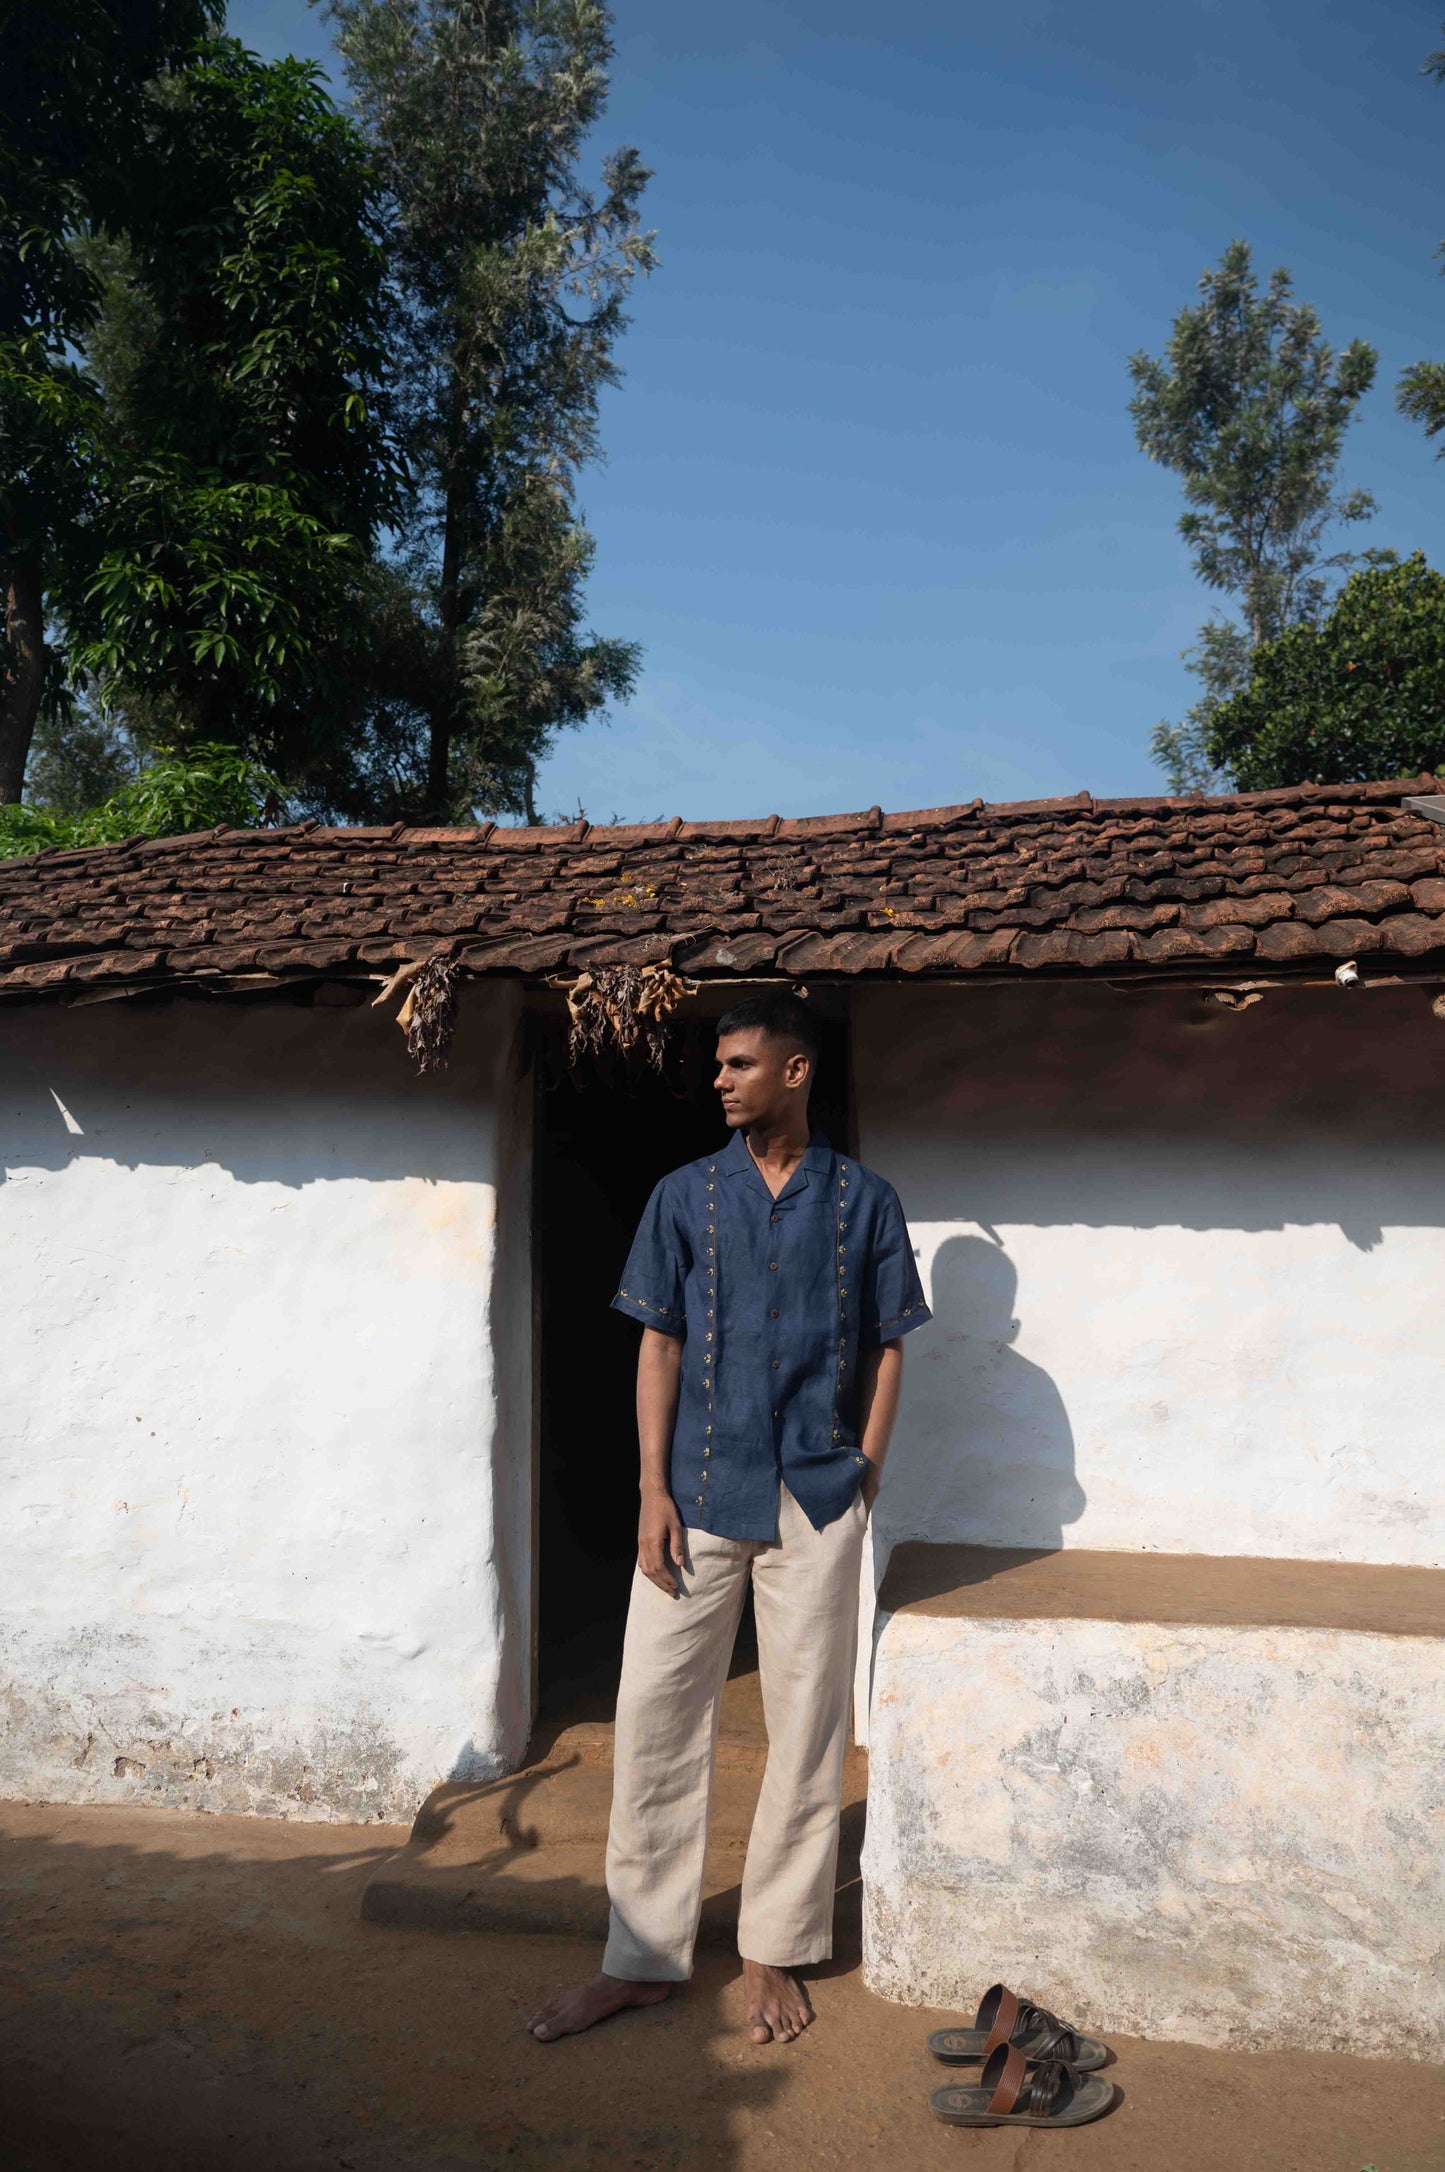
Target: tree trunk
450 612
22 673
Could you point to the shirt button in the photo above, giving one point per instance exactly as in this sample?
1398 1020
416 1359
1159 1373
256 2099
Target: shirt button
772 1266
774 1314
775 1217
776 1363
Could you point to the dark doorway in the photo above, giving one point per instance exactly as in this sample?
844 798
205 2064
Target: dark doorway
601 1145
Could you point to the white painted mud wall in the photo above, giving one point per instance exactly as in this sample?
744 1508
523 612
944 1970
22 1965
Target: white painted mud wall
1187 1267
1226 1834
265 1396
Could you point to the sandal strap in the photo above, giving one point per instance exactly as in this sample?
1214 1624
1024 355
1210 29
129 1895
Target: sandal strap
998 2012
1004 2072
1060 2040
1012 2020
1047 2083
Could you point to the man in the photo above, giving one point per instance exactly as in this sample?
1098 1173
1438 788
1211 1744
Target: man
774 1282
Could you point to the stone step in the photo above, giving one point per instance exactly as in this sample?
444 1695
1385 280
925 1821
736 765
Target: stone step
526 1853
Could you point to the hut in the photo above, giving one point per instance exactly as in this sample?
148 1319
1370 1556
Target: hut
319 1465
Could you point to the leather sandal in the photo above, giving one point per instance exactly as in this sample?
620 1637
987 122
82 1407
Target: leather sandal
1004 2018
1008 2094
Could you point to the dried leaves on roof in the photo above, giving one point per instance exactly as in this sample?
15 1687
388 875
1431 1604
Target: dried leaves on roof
626 1007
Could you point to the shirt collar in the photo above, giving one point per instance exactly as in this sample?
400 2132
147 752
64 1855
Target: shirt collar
816 1162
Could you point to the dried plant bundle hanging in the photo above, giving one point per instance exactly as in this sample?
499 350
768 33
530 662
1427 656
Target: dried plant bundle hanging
626 1005
428 1017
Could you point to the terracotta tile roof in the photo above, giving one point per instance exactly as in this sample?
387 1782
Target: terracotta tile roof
1262 884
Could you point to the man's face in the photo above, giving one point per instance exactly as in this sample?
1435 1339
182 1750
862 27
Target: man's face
759 1078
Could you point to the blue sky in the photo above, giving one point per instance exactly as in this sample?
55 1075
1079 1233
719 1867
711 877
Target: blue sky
872 503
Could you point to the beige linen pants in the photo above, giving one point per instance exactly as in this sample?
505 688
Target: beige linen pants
674 1663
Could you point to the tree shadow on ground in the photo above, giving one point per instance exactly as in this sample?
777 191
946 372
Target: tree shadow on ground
202 1990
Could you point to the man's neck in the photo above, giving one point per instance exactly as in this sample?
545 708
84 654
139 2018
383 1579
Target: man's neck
777 1148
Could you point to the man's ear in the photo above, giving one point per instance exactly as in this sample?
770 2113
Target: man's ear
797 1070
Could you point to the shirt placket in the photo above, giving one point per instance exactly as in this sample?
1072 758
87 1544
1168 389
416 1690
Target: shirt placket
840 1223
709 1367
775 1244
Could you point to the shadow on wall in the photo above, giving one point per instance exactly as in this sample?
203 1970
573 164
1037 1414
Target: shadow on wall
985 1451
284 1091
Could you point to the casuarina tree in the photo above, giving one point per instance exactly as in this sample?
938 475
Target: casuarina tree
1249 406
509 274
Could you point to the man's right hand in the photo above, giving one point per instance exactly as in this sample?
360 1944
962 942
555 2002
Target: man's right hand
659 1541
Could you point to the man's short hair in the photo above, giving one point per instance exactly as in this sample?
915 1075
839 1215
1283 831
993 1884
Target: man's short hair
783 1017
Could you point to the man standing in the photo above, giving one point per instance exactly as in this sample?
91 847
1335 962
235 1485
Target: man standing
774 1282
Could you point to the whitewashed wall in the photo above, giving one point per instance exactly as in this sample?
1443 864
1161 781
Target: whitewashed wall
1188 1268
265 1374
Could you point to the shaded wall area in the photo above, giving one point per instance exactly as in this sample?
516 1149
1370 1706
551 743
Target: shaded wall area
1187 1264
255 1554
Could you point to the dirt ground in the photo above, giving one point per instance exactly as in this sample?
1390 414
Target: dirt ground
180 1990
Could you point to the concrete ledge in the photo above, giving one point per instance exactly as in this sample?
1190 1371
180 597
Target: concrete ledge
1224 1832
998 1583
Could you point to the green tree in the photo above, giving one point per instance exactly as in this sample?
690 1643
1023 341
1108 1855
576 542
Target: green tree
238 350
1360 695
71 123
510 274
173 793
1249 407
200 439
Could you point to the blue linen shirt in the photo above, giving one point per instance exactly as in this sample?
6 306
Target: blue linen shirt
774 1299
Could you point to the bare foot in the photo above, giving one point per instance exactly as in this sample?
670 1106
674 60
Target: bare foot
778 2007
591 2002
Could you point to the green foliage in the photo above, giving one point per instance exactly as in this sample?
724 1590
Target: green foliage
71 125
238 348
509 276
79 758
1220 660
1249 407
71 142
1360 695
209 784
194 464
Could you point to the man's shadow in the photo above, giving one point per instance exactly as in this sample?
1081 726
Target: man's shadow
985 1451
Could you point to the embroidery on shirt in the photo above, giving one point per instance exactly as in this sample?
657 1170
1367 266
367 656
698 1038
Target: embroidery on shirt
664 1312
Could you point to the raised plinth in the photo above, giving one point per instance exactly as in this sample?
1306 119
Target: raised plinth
1168 1795
528 1853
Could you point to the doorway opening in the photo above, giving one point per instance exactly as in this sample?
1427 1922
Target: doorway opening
601 1143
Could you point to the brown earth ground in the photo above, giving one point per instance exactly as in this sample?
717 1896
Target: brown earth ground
200 1991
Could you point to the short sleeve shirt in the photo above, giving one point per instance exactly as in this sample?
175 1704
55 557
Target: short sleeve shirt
774 1300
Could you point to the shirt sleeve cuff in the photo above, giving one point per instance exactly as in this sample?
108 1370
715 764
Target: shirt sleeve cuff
902 1323
658 1316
